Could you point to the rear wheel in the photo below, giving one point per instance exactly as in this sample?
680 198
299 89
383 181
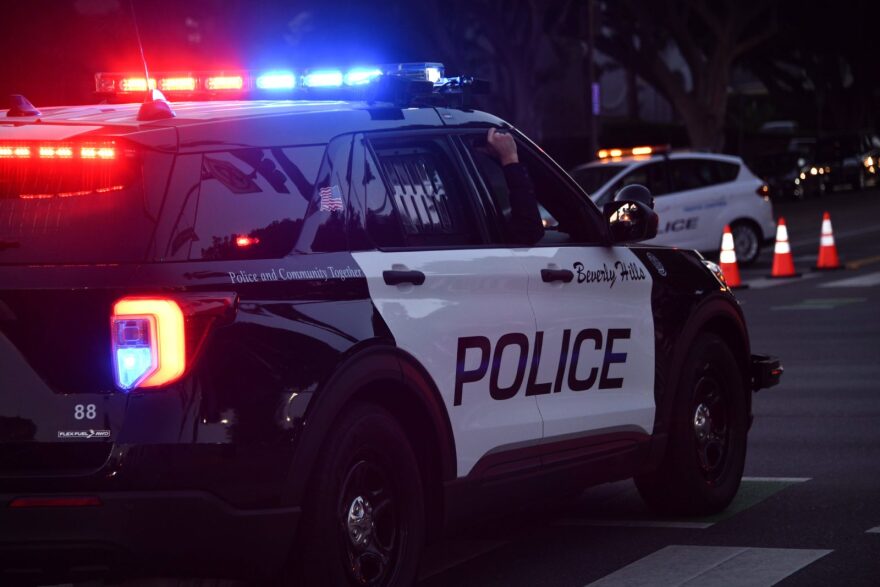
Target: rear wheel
746 242
365 521
704 460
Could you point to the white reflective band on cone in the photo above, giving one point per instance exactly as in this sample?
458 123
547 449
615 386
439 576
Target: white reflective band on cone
826 227
728 254
782 248
827 240
782 233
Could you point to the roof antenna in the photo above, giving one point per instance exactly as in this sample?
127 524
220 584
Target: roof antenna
155 106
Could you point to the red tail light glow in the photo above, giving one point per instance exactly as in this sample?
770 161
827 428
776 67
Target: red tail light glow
246 241
55 502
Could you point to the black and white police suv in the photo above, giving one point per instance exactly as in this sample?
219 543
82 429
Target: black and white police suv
697 195
294 340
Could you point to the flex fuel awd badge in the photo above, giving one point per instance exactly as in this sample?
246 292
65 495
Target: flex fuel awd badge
83 434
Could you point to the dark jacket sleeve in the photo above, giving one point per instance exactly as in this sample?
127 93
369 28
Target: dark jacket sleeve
525 226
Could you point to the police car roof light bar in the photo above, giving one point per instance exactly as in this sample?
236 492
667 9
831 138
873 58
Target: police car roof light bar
640 151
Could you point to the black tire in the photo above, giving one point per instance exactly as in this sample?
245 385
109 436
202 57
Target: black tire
747 242
377 540
703 465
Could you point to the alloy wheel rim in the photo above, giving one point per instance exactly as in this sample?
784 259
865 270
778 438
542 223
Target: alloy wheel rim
368 521
711 427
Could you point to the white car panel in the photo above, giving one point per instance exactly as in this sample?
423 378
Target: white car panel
466 293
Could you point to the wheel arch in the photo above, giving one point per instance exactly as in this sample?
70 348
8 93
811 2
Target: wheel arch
382 374
717 315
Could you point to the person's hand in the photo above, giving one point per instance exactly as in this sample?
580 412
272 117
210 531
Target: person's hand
502 146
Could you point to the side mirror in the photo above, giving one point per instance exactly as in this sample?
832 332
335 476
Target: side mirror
635 192
631 221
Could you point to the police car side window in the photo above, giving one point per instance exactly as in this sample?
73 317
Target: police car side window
250 203
424 203
561 207
691 174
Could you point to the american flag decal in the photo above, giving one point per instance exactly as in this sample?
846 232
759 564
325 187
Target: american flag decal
331 199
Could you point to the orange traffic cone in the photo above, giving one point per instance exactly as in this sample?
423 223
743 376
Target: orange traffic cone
828 258
728 260
783 262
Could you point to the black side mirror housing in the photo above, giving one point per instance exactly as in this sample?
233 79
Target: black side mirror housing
631 217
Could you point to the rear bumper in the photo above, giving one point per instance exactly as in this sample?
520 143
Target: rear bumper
766 371
142 533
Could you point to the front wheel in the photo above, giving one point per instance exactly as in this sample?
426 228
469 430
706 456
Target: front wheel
701 471
365 521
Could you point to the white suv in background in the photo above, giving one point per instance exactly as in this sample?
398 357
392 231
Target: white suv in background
696 194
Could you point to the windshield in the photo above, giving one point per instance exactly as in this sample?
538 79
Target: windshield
593 178
64 212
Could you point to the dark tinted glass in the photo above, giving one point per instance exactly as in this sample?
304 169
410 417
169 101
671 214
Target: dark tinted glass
651 175
593 178
429 202
252 202
78 211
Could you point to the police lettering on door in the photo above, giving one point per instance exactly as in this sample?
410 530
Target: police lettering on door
566 354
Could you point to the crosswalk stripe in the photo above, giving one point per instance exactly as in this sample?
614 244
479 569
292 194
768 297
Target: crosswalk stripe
874 530
868 280
778 479
711 566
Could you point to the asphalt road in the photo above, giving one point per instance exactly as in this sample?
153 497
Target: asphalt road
805 512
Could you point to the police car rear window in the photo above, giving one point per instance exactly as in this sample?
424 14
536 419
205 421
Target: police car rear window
68 209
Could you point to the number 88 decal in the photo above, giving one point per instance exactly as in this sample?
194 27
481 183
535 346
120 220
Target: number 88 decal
87 412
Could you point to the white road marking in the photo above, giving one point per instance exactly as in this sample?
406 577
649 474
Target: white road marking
711 566
867 280
778 479
637 524
874 530
838 234
765 282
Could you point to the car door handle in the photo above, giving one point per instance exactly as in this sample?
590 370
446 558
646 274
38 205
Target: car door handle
551 275
397 277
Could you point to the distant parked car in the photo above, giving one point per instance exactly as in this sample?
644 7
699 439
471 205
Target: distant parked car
782 174
849 160
696 195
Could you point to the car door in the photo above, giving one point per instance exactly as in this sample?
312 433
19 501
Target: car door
458 304
592 365
689 211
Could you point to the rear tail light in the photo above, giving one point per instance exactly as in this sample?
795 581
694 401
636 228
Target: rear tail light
149 342
763 191
155 339
55 502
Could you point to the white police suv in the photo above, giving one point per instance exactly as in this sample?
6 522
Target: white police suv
697 194
293 339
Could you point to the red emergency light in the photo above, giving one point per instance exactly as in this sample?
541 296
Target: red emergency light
101 151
